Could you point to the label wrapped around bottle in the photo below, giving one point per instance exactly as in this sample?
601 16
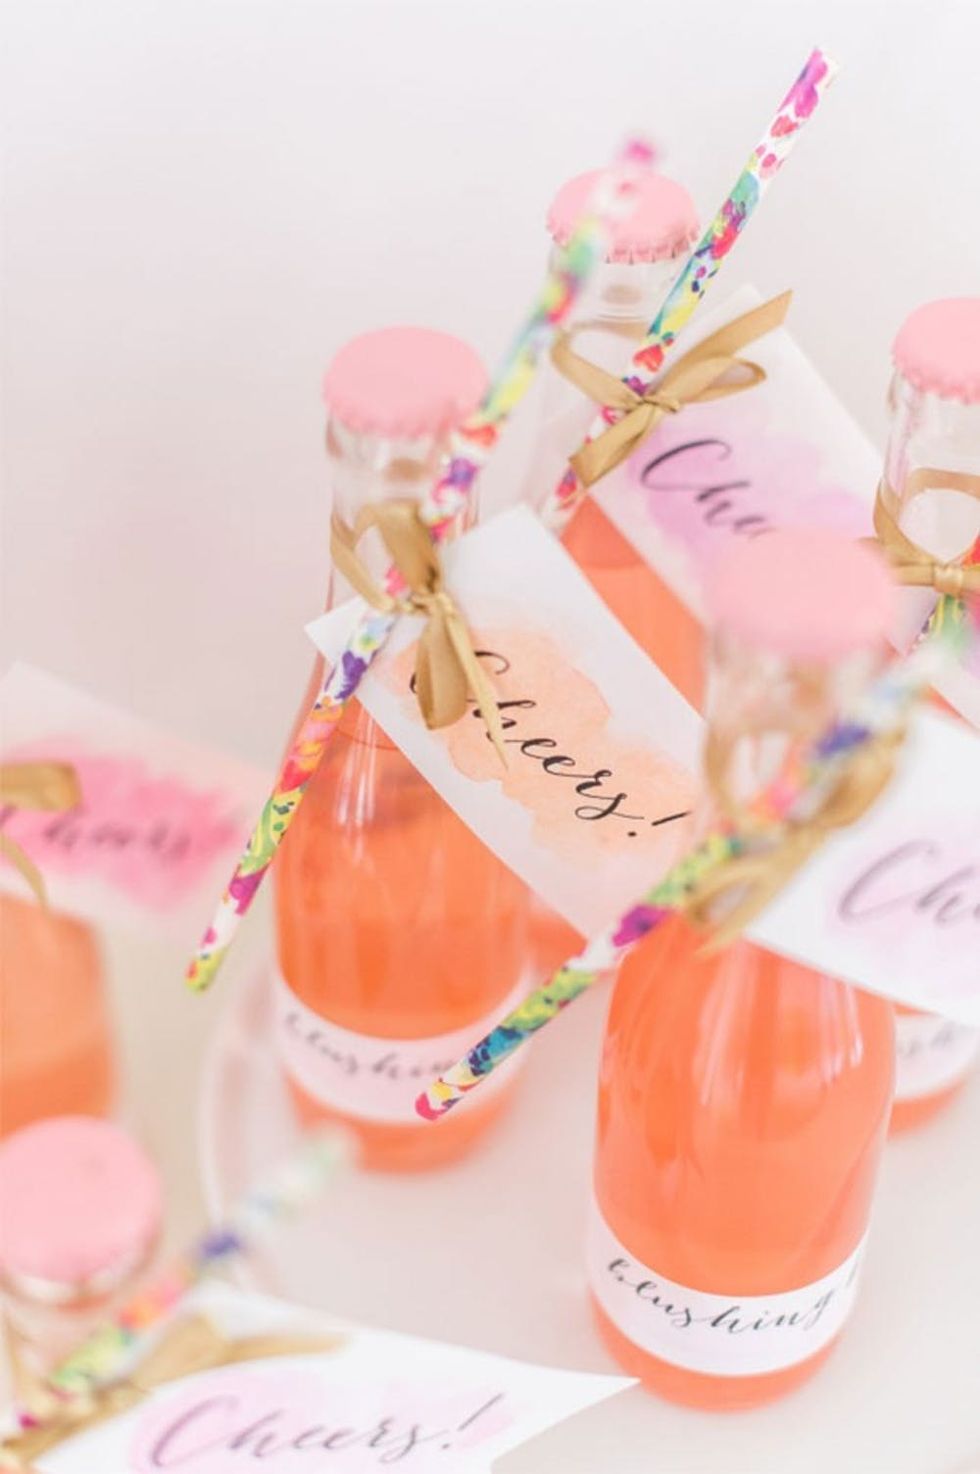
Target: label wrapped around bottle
931 1054
728 1335
373 1079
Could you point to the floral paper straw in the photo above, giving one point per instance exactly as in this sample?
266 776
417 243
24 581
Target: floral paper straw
882 710
287 1190
470 447
703 265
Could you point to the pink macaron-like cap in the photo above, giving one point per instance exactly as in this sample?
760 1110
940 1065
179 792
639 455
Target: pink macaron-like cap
803 594
405 382
938 349
80 1199
662 224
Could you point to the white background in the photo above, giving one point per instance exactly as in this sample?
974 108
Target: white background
206 197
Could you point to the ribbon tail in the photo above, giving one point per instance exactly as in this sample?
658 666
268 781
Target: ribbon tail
22 861
478 684
440 678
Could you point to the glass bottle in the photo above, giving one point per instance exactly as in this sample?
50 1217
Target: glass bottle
82 1211
744 1098
56 1046
399 934
648 249
617 306
934 404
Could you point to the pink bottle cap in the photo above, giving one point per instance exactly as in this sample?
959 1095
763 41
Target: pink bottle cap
804 594
938 349
404 382
663 223
82 1206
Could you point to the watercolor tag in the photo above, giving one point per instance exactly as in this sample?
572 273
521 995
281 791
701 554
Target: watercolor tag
893 902
595 804
785 453
160 823
368 1401
601 749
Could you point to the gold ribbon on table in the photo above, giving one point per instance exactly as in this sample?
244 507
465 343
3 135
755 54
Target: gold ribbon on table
191 1344
911 564
49 787
726 899
447 671
710 370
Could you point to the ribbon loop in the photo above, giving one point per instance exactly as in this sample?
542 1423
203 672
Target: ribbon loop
710 370
447 671
912 565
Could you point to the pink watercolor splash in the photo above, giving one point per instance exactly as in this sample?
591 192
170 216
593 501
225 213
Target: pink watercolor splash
698 496
152 837
235 1421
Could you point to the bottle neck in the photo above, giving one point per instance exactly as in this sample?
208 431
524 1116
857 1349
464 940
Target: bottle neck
367 469
931 434
762 706
610 318
624 294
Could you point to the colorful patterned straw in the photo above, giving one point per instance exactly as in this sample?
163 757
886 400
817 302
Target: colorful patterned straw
287 1190
470 448
799 104
882 711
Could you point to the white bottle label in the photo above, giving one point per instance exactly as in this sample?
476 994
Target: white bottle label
721 1335
369 1078
931 1053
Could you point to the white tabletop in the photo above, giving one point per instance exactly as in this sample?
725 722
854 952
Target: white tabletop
489 1253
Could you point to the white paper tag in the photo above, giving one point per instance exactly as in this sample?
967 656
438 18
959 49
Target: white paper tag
931 1054
784 454
373 1079
893 903
602 751
161 821
371 1399
729 1335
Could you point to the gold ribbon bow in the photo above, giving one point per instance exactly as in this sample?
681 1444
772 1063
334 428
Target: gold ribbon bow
192 1344
704 372
447 671
911 564
50 787
725 900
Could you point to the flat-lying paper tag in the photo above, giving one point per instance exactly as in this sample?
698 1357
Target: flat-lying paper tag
602 751
160 823
374 1400
786 454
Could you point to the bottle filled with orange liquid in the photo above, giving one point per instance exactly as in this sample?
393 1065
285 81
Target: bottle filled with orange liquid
744 1098
647 250
931 491
56 1044
400 936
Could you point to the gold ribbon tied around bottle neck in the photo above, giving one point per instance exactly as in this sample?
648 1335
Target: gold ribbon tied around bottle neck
911 564
447 671
710 370
727 898
191 1344
49 787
